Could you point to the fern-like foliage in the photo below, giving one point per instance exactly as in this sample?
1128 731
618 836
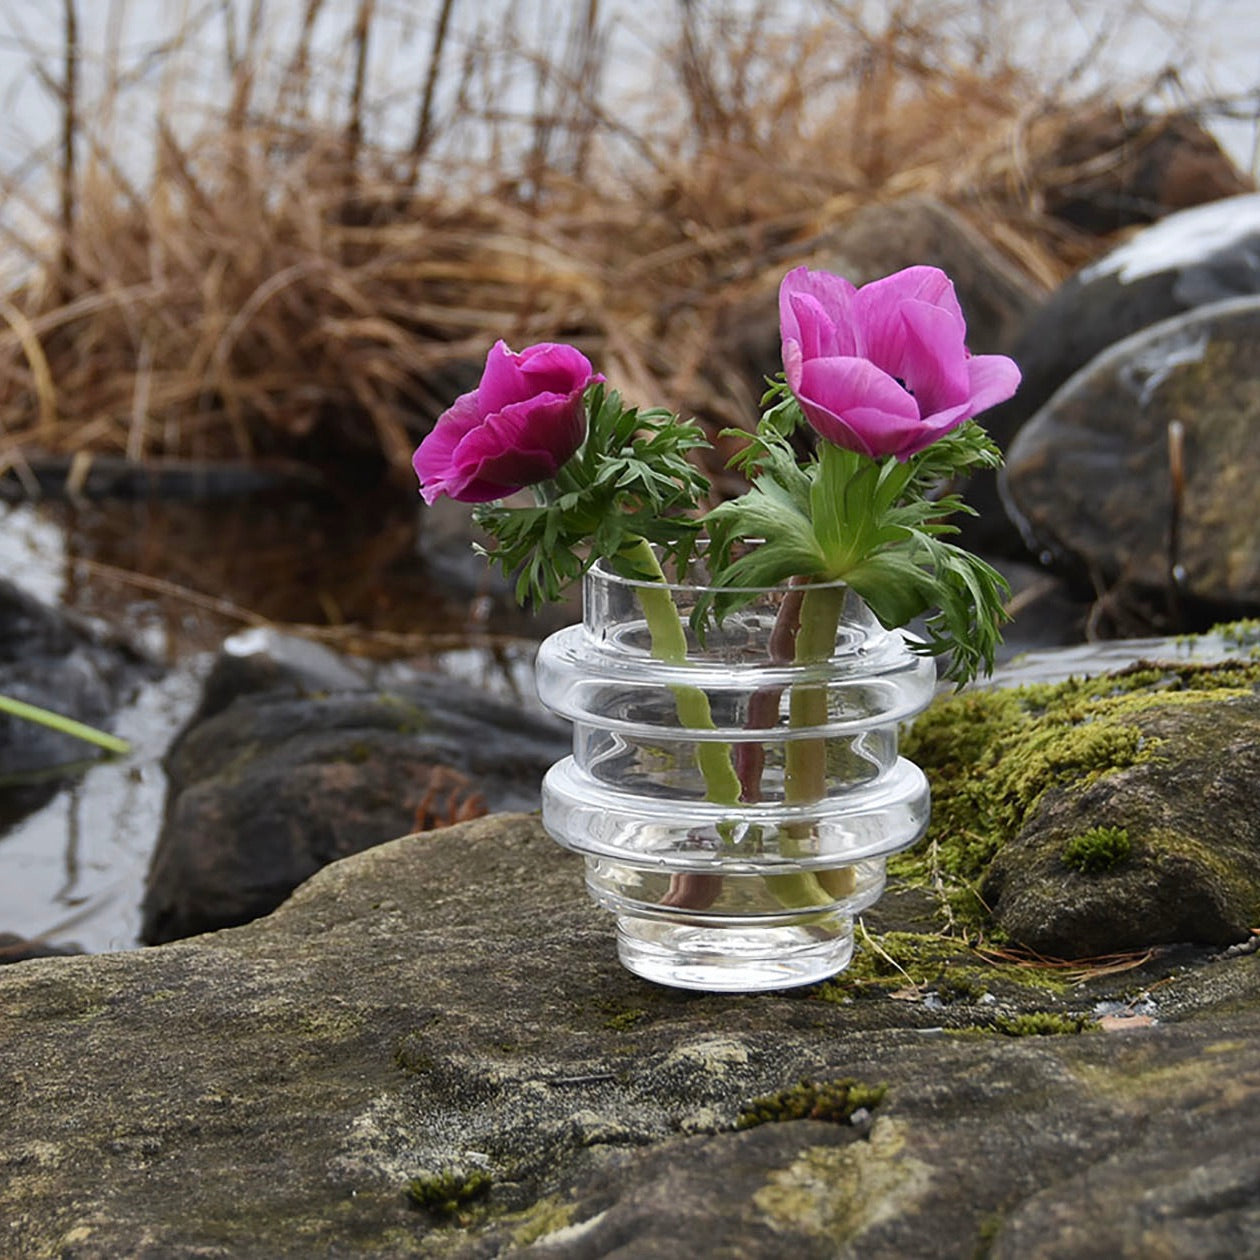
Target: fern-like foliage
879 525
631 479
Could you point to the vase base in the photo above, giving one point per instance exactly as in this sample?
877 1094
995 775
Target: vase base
735 959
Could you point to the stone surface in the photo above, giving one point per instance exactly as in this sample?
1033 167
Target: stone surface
1089 476
14 949
294 760
1192 258
452 1002
1084 817
1123 167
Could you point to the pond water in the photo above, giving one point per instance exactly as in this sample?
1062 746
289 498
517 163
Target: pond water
73 871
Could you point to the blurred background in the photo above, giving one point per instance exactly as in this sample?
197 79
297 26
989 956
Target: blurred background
250 249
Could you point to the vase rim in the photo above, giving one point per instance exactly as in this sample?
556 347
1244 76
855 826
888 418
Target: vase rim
601 570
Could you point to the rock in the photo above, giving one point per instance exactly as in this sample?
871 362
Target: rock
1124 167
1098 816
1089 477
430 1050
1192 258
180 480
873 242
1189 259
15 949
67 665
1187 860
294 761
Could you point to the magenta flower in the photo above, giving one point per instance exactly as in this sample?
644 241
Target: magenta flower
522 422
883 370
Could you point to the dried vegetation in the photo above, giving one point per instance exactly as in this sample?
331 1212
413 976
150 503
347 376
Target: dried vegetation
289 277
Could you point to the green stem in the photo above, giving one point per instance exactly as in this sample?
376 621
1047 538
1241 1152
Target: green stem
805 760
669 644
67 726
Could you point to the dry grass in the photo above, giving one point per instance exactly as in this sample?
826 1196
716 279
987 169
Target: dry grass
282 281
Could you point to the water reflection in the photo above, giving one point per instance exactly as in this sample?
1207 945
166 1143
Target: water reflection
177 580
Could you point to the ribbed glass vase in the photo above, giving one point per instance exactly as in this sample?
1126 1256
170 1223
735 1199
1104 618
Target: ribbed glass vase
735 786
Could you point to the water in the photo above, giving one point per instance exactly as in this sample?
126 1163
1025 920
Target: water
73 871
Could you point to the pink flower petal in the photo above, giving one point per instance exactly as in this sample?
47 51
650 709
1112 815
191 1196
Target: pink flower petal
501 381
433 458
854 404
932 427
815 310
879 312
994 378
522 444
934 359
554 368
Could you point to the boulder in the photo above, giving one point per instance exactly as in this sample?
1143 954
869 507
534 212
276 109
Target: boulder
1121 166
62 663
1189 259
1162 851
1090 478
294 760
15 949
430 1050
1097 816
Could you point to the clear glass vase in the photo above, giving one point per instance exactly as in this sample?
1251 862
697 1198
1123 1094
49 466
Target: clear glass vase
734 786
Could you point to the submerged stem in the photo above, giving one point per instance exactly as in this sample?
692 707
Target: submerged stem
805 760
669 644
67 726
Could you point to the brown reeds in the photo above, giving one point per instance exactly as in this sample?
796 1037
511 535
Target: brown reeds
282 279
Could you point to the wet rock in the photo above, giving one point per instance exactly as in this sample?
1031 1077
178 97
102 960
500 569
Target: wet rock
434 1044
1206 254
180 480
1192 258
296 760
1125 167
64 664
1091 476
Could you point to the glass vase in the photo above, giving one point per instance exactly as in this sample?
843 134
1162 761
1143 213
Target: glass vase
735 786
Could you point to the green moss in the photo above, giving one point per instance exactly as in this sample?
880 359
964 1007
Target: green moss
1243 634
624 1020
986 1235
543 1218
412 720
992 756
945 964
830 1101
1098 850
411 1057
1042 1024
448 1193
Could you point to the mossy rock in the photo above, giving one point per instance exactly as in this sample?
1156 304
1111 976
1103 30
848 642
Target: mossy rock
1034 787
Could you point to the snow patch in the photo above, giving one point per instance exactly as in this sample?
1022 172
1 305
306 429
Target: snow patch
1182 239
